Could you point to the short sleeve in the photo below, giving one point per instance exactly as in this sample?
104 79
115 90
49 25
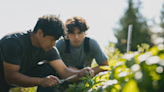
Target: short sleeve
53 54
11 51
97 52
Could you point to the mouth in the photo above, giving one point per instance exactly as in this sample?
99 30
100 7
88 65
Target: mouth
76 42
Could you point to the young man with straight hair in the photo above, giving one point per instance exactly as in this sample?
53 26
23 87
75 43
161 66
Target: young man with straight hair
77 50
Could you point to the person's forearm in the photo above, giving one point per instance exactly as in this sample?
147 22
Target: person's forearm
97 69
19 79
71 72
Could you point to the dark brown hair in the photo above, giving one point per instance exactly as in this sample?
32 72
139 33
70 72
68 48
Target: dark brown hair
76 22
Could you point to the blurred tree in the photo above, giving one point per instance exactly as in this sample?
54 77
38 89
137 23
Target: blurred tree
162 21
162 17
140 30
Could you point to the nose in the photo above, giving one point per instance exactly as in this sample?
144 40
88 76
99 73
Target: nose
76 36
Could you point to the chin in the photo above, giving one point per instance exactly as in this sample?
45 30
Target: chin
76 45
46 50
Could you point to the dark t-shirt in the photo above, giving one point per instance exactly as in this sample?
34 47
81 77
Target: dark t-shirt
17 49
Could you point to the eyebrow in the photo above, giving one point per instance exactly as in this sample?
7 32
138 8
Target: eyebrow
53 38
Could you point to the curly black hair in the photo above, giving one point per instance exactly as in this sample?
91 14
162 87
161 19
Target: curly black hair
50 25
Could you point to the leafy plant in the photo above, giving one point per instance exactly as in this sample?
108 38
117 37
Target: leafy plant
140 71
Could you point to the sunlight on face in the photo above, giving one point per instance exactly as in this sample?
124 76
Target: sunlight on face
76 38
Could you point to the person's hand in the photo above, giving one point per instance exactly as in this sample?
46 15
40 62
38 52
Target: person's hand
83 72
49 81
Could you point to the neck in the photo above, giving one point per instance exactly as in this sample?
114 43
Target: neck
34 39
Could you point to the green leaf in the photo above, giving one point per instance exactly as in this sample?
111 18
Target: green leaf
83 78
105 67
131 86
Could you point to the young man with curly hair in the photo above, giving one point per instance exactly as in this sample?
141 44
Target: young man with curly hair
21 52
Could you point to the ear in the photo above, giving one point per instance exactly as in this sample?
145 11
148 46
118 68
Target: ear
86 32
67 37
39 33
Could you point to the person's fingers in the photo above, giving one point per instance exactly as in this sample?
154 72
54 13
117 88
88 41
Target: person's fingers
85 70
46 82
51 81
91 72
55 78
50 84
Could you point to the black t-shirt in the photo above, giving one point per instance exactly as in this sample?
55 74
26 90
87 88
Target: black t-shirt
17 49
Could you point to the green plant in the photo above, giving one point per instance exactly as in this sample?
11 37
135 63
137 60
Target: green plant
140 71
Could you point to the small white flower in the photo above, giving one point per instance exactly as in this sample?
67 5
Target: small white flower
159 69
109 82
143 57
90 90
161 62
160 46
102 73
138 75
122 74
152 60
112 49
115 81
136 53
135 67
119 63
155 83
126 79
128 56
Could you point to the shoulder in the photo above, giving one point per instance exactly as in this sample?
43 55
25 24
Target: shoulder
11 45
93 45
60 45
11 51
14 41
10 42
92 41
16 36
60 42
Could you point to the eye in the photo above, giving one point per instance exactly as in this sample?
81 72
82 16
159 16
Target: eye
53 40
79 32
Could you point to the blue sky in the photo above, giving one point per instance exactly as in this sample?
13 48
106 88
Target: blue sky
102 15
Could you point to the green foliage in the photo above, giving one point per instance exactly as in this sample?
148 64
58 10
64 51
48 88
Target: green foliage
86 84
143 48
140 30
21 89
140 71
